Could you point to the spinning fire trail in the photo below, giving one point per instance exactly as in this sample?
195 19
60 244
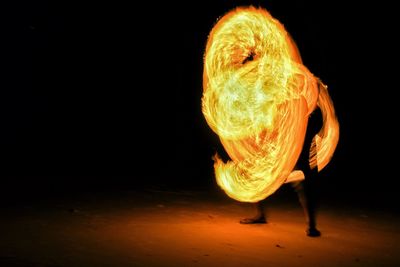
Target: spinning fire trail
257 96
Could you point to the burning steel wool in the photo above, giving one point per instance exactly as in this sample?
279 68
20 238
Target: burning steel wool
257 96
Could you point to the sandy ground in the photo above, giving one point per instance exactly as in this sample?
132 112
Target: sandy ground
161 228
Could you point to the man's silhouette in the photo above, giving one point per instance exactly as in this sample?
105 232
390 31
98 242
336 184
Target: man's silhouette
305 189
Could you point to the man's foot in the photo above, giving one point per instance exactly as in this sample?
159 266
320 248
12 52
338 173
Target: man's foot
253 220
313 232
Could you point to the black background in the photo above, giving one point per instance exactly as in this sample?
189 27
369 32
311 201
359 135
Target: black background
105 95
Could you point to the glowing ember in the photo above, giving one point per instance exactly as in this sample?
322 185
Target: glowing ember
257 97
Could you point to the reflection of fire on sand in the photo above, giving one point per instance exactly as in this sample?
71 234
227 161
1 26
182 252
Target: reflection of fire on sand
191 229
258 98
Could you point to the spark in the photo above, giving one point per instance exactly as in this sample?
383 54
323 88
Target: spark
257 96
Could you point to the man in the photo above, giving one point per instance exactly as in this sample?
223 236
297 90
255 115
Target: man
306 189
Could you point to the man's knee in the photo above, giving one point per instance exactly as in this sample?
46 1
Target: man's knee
298 186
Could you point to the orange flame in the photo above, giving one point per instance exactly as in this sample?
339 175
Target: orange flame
257 96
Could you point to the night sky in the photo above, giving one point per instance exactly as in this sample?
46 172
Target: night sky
108 95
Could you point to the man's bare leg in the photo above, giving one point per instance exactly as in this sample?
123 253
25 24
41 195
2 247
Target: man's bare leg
306 193
260 215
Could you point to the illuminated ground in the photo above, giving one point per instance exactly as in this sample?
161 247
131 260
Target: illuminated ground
161 228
